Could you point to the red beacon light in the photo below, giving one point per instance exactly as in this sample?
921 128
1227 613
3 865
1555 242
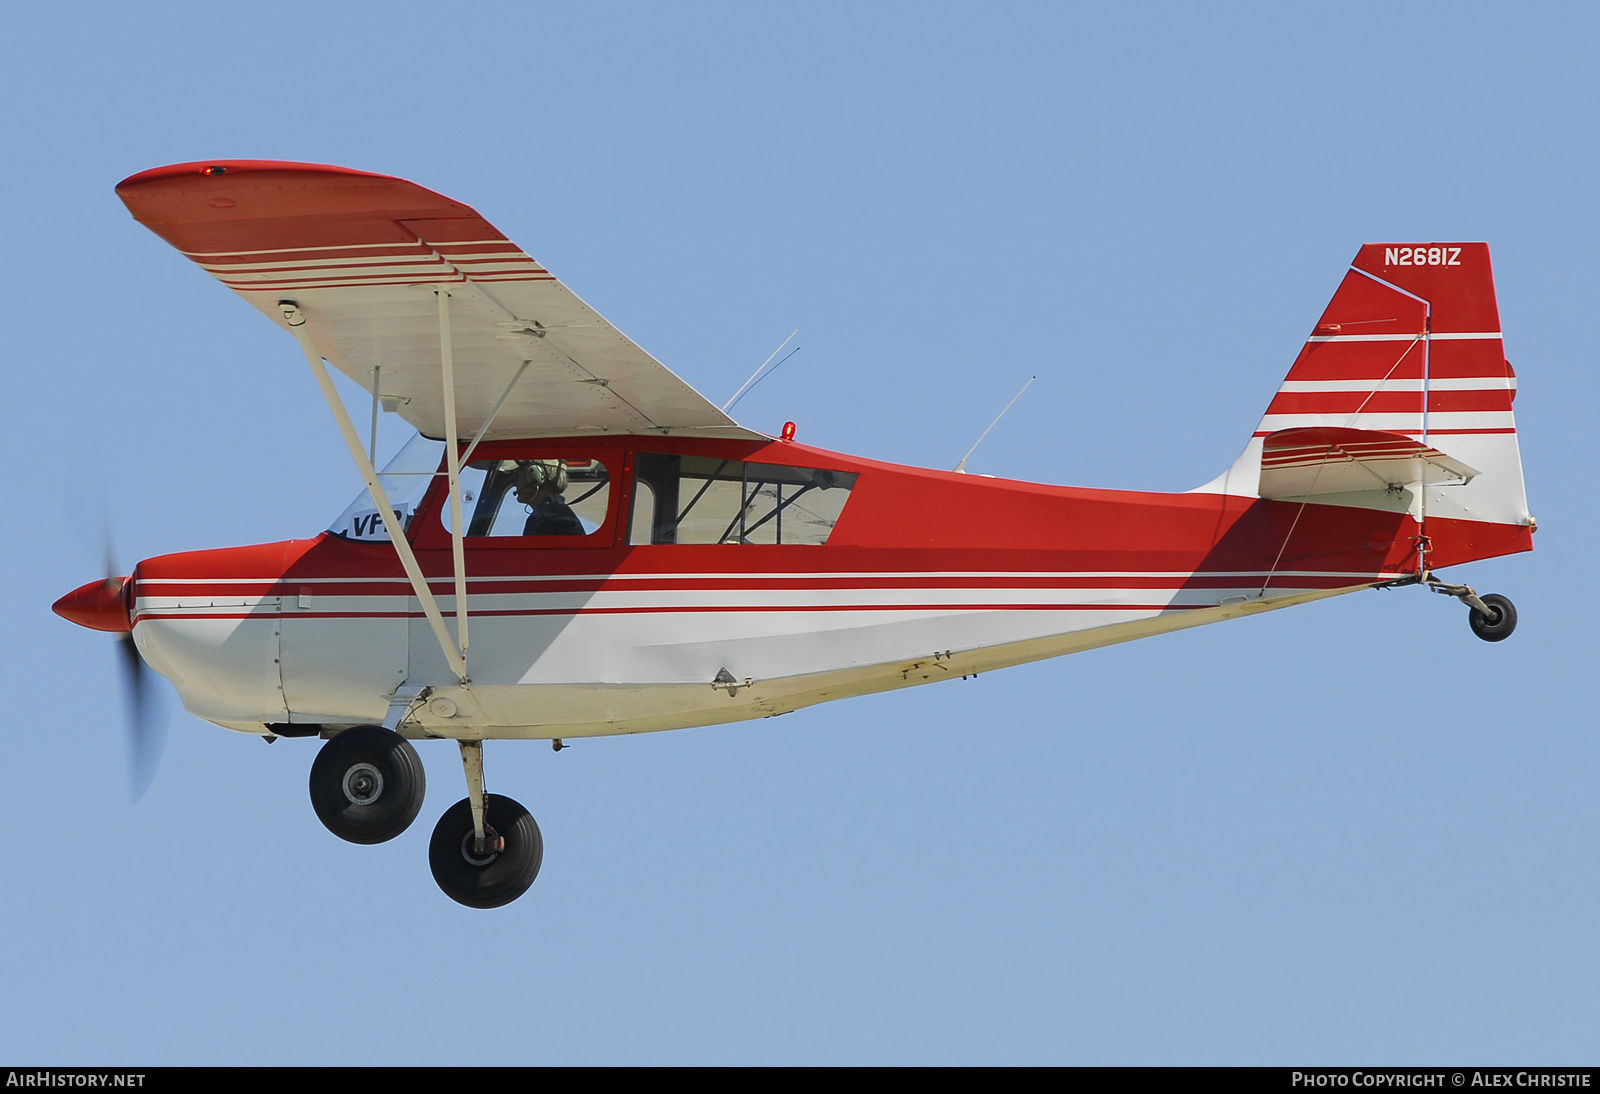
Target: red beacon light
788 432
214 169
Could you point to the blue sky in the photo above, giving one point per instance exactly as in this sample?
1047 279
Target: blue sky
1350 832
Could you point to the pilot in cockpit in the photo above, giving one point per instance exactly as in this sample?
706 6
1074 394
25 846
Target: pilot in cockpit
539 485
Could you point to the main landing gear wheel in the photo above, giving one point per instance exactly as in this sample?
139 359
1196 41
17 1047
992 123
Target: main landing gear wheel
367 785
493 878
1498 622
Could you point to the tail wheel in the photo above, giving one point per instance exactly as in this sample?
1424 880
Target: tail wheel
496 878
1498 622
367 785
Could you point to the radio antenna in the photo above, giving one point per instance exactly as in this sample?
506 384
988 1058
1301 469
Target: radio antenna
961 468
727 406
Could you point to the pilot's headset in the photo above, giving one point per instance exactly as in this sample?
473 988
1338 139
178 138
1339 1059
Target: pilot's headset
535 473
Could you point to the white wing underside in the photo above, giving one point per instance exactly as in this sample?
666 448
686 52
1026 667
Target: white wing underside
584 375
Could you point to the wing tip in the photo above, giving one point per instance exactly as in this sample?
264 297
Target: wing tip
213 168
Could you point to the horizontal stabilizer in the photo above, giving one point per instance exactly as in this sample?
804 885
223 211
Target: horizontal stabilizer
1306 462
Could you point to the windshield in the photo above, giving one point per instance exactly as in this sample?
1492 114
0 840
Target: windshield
405 479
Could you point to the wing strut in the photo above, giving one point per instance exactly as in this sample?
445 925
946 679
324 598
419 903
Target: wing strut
466 457
296 321
452 466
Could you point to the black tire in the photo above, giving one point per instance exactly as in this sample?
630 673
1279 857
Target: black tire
501 878
367 785
1499 623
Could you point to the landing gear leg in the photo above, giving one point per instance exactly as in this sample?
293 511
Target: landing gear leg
1493 617
486 849
484 842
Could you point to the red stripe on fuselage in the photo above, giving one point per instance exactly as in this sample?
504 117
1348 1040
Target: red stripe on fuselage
687 609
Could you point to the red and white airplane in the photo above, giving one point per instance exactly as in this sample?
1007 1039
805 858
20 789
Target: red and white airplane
576 543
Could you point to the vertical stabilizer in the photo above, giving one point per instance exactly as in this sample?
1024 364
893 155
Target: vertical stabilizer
1410 346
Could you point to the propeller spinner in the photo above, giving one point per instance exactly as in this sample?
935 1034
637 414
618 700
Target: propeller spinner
103 606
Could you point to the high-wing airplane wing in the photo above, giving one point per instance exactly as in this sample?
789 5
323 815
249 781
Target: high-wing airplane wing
363 256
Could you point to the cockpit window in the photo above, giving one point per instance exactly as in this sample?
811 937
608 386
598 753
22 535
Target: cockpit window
405 478
701 499
543 497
